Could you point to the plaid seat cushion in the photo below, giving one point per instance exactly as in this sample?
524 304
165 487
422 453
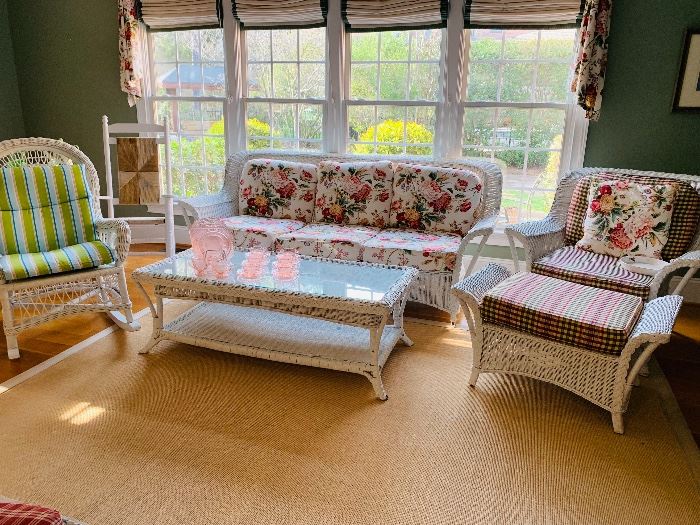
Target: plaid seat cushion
592 269
570 313
684 222
25 514
77 257
44 208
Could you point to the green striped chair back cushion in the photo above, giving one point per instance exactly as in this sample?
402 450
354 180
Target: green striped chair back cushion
45 208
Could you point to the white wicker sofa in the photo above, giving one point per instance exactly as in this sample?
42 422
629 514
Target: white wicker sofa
549 244
439 256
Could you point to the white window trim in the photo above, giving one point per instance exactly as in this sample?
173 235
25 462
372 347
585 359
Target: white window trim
450 106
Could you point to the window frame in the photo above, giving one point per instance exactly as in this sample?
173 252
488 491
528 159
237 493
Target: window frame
450 106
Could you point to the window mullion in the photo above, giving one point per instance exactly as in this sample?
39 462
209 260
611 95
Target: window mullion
335 117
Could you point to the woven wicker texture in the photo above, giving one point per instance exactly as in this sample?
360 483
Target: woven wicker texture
187 435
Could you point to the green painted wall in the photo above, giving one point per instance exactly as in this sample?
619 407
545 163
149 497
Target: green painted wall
11 121
67 63
637 128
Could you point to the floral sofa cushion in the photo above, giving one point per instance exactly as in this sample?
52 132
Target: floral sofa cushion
593 319
354 193
259 232
626 218
592 269
686 211
435 199
278 189
331 241
429 252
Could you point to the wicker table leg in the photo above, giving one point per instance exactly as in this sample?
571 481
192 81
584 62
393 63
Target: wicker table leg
157 313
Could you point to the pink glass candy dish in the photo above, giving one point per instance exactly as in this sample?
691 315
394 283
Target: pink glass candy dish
211 241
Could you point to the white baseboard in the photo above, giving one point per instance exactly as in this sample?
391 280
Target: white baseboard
147 234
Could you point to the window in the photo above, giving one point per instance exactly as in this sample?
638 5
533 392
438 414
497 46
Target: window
189 87
394 89
386 92
517 95
286 88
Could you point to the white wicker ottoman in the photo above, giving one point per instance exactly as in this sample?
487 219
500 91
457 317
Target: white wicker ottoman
592 342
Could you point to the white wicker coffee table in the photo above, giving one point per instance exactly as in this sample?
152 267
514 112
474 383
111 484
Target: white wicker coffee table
335 315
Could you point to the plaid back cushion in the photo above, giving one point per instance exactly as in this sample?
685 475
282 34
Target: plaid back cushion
570 313
25 514
684 222
44 208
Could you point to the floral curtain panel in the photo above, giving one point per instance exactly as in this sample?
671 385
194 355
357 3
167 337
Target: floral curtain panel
592 59
129 53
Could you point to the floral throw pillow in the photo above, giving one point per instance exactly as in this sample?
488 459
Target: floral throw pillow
626 218
354 193
278 189
435 199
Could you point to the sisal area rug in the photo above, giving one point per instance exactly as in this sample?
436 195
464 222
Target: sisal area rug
192 436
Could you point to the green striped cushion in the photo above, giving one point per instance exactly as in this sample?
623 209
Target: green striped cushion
77 257
44 208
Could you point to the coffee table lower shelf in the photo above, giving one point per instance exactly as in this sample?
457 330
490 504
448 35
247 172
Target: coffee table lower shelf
278 336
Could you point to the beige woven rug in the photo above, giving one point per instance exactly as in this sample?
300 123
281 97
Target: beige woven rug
193 436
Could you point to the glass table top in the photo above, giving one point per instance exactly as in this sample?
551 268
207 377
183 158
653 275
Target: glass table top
316 276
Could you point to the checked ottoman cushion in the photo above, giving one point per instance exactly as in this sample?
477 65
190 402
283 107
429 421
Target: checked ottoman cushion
569 313
12 513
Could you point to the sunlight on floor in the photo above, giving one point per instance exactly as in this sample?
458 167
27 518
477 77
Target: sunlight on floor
82 413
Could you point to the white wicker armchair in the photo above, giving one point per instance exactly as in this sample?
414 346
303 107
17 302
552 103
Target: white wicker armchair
432 288
35 300
543 237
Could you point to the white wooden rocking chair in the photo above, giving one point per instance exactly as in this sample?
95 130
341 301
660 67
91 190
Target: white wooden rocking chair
28 302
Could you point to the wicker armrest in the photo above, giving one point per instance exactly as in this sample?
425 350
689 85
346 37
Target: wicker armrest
117 234
483 227
538 238
204 206
475 286
656 322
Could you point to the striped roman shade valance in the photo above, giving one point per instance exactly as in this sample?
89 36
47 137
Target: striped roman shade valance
378 15
517 14
280 14
181 14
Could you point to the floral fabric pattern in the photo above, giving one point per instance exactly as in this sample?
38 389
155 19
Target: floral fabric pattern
278 189
592 59
259 232
624 218
435 199
430 252
354 193
331 241
129 56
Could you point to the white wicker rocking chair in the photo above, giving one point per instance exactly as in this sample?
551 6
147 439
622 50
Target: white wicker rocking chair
31 301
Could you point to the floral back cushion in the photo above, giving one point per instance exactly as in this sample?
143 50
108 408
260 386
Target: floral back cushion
354 193
626 218
435 199
278 189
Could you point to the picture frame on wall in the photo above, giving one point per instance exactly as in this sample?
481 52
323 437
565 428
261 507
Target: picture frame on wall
687 97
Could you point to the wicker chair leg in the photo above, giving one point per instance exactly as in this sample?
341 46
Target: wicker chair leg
8 321
474 376
125 318
618 425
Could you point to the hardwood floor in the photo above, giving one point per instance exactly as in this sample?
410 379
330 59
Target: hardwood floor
680 359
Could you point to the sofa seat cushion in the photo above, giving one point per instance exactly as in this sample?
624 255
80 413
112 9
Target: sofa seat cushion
12 513
354 193
684 221
429 252
250 231
592 269
278 189
435 199
77 257
331 241
562 311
